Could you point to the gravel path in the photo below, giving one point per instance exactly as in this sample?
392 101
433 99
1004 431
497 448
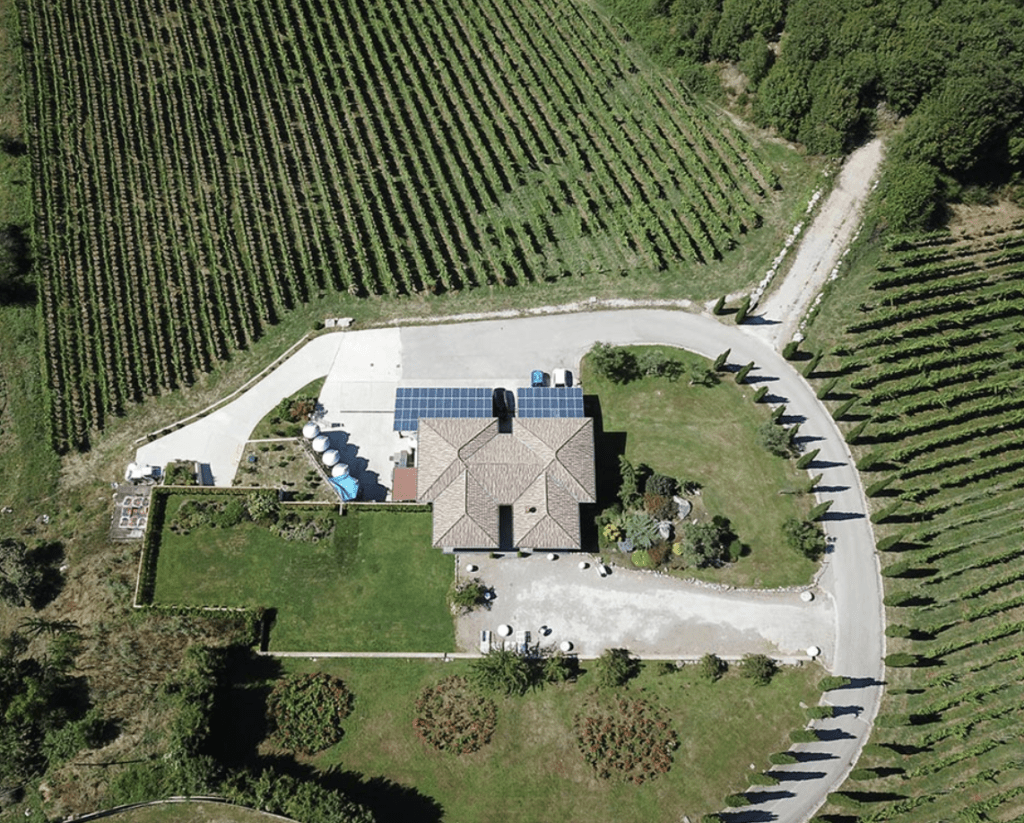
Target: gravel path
777 318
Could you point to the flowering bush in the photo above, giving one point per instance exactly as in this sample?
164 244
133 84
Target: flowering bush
306 711
629 740
451 717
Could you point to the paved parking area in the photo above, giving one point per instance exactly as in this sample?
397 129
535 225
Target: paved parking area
649 614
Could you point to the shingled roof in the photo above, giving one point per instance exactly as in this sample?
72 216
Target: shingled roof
543 469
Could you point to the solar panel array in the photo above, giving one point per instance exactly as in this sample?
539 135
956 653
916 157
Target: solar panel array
413 403
550 402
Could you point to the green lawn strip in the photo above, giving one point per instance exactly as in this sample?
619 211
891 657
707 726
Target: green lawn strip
378 586
710 435
532 769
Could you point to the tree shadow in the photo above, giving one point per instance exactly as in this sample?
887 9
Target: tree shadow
748 816
756 797
824 464
386 799
811 757
46 558
785 776
840 711
831 515
833 489
828 735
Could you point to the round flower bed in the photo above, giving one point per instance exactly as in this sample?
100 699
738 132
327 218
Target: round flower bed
306 711
451 717
628 740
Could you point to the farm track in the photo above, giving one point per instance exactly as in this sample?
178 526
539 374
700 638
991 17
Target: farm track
203 170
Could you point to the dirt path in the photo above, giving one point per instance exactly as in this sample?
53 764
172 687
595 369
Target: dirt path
778 316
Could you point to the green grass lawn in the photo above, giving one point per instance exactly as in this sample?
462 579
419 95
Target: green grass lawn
377 586
709 434
532 770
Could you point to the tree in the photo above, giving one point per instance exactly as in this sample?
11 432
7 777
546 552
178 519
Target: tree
614 668
712 667
758 667
661 484
615 363
707 544
22 576
641 529
702 375
558 668
629 493
501 671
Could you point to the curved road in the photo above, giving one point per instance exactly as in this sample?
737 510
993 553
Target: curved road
366 365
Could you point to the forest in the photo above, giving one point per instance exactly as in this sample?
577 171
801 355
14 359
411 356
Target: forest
827 74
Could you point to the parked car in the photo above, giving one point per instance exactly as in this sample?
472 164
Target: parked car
562 378
538 379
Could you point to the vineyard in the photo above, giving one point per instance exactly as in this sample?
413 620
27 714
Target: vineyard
930 381
201 168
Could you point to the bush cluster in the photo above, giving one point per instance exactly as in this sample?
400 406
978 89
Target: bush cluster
630 740
306 711
452 717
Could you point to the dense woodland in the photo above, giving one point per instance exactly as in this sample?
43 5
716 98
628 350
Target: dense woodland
819 72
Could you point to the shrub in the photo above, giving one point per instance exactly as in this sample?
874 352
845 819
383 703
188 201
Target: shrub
558 668
741 375
900 660
721 360
719 306
232 513
712 667
806 459
467 595
451 717
821 712
805 537
880 485
642 559
899 599
503 672
758 667
737 801
803 736
818 511
263 505
614 668
758 396
742 309
783 758
827 684
812 364
888 543
629 740
840 411
825 389
776 439
705 544
641 529
884 514
661 484
629 492
762 779
790 349
306 711
863 774
659 506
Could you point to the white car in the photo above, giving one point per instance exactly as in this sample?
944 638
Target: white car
562 378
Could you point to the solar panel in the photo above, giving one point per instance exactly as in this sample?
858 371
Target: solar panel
549 402
412 403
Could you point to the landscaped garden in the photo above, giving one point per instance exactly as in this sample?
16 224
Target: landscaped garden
532 766
366 581
676 417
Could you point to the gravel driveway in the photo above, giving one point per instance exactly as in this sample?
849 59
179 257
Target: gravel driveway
651 615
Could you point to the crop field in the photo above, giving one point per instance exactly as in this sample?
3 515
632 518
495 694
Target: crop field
202 168
932 359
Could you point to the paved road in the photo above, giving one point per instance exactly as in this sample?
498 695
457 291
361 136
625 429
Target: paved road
507 349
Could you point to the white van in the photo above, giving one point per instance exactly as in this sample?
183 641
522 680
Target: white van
562 378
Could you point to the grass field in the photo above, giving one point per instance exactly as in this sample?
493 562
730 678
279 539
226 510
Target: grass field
532 769
925 334
404 150
195 811
377 586
709 434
